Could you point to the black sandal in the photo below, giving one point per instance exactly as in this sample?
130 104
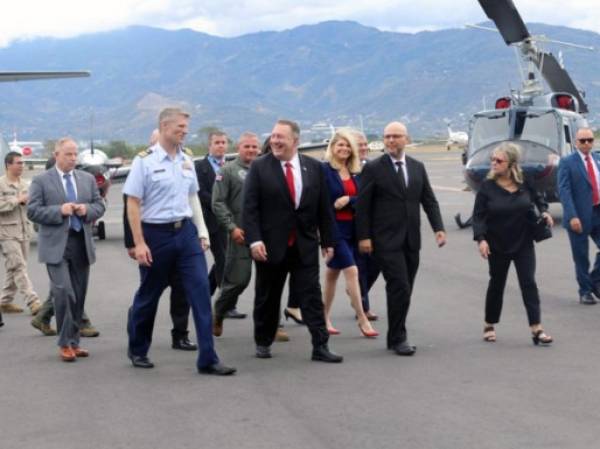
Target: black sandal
489 334
539 337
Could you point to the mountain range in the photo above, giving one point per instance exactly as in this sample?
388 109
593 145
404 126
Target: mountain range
336 72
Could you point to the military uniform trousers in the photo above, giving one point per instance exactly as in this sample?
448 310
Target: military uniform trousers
236 277
172 249
16 280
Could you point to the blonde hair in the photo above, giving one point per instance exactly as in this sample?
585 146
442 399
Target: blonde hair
353 162
512 152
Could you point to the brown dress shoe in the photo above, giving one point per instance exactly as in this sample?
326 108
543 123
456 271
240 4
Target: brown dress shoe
281 335
80 352
67 354
44 328
10 308
217 328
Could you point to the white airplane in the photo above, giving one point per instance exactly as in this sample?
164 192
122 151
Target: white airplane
459 139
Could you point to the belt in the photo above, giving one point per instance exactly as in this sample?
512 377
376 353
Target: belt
173 226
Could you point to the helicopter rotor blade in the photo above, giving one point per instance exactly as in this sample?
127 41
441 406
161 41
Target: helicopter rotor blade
507 19
558 78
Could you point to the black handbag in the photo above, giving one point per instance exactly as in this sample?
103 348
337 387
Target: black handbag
541 230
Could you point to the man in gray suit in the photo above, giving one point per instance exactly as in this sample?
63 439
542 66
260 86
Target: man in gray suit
64 203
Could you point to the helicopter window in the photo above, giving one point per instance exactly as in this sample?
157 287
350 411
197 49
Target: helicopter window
536 128
489 129
567 134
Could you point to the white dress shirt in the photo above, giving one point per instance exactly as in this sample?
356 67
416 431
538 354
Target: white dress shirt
404 170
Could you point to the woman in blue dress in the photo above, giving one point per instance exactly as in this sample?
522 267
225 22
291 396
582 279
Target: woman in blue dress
341 167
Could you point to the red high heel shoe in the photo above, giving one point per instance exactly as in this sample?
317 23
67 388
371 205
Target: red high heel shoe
333 331
369 334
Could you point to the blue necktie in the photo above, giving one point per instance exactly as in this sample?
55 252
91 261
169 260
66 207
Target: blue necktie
75 221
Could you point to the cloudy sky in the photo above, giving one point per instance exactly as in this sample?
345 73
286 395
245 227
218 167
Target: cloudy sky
24 19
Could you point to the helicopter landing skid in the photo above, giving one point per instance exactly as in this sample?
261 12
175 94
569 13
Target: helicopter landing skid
463 224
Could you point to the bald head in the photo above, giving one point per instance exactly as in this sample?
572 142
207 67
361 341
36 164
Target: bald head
395 138
584 140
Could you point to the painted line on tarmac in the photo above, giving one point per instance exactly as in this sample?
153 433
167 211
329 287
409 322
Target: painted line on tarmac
449 189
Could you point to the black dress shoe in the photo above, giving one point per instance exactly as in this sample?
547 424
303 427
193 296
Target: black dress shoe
404 348
183 344
263 352
587 299
323 354
234 315
218 369
140 361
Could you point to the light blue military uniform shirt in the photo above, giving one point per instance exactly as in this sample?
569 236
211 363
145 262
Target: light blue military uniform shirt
162 184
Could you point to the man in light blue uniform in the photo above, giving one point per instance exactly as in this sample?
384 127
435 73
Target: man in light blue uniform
166 221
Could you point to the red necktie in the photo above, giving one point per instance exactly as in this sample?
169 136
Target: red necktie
289 179
593 182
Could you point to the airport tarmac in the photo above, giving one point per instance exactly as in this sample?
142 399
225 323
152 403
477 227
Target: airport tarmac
457 392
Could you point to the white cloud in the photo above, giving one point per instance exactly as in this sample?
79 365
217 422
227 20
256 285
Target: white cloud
23 19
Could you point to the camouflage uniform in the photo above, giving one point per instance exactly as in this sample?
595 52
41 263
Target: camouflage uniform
15 235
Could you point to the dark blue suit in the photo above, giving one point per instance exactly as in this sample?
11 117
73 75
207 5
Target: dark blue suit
575 192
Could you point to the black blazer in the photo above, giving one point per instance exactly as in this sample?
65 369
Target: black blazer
206 180
269 214
387 212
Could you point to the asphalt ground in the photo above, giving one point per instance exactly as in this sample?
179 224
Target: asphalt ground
456 392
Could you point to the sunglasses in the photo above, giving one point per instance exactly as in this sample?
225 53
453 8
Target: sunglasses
497 160
586 140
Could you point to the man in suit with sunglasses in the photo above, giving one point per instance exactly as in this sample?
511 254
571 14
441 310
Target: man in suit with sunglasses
578 186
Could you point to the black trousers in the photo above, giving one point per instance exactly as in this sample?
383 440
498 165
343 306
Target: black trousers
524 261
304 287
399 269
218 244
179 306
368 272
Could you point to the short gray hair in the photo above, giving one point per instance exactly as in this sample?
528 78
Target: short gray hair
169 114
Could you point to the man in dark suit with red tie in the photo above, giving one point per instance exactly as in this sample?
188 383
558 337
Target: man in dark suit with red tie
393 187
579 191
286 212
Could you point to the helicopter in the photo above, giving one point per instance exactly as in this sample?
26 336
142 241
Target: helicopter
542 123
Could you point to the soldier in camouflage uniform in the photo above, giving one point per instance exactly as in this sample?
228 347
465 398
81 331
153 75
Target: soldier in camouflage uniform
15 235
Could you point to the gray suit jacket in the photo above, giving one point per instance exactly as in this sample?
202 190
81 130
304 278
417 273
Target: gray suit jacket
46 196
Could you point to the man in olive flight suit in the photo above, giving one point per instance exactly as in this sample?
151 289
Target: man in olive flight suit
227 207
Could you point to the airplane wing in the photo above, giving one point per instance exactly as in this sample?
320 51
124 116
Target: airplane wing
23 76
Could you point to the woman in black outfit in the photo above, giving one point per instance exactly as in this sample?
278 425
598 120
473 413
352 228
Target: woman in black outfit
503 219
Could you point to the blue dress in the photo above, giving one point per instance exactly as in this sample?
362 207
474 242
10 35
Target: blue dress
346 247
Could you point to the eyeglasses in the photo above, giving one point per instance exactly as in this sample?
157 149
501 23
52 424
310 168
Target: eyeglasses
394 136
586 140
497 160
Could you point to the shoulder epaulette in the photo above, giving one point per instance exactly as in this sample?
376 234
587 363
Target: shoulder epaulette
189 152
145 152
